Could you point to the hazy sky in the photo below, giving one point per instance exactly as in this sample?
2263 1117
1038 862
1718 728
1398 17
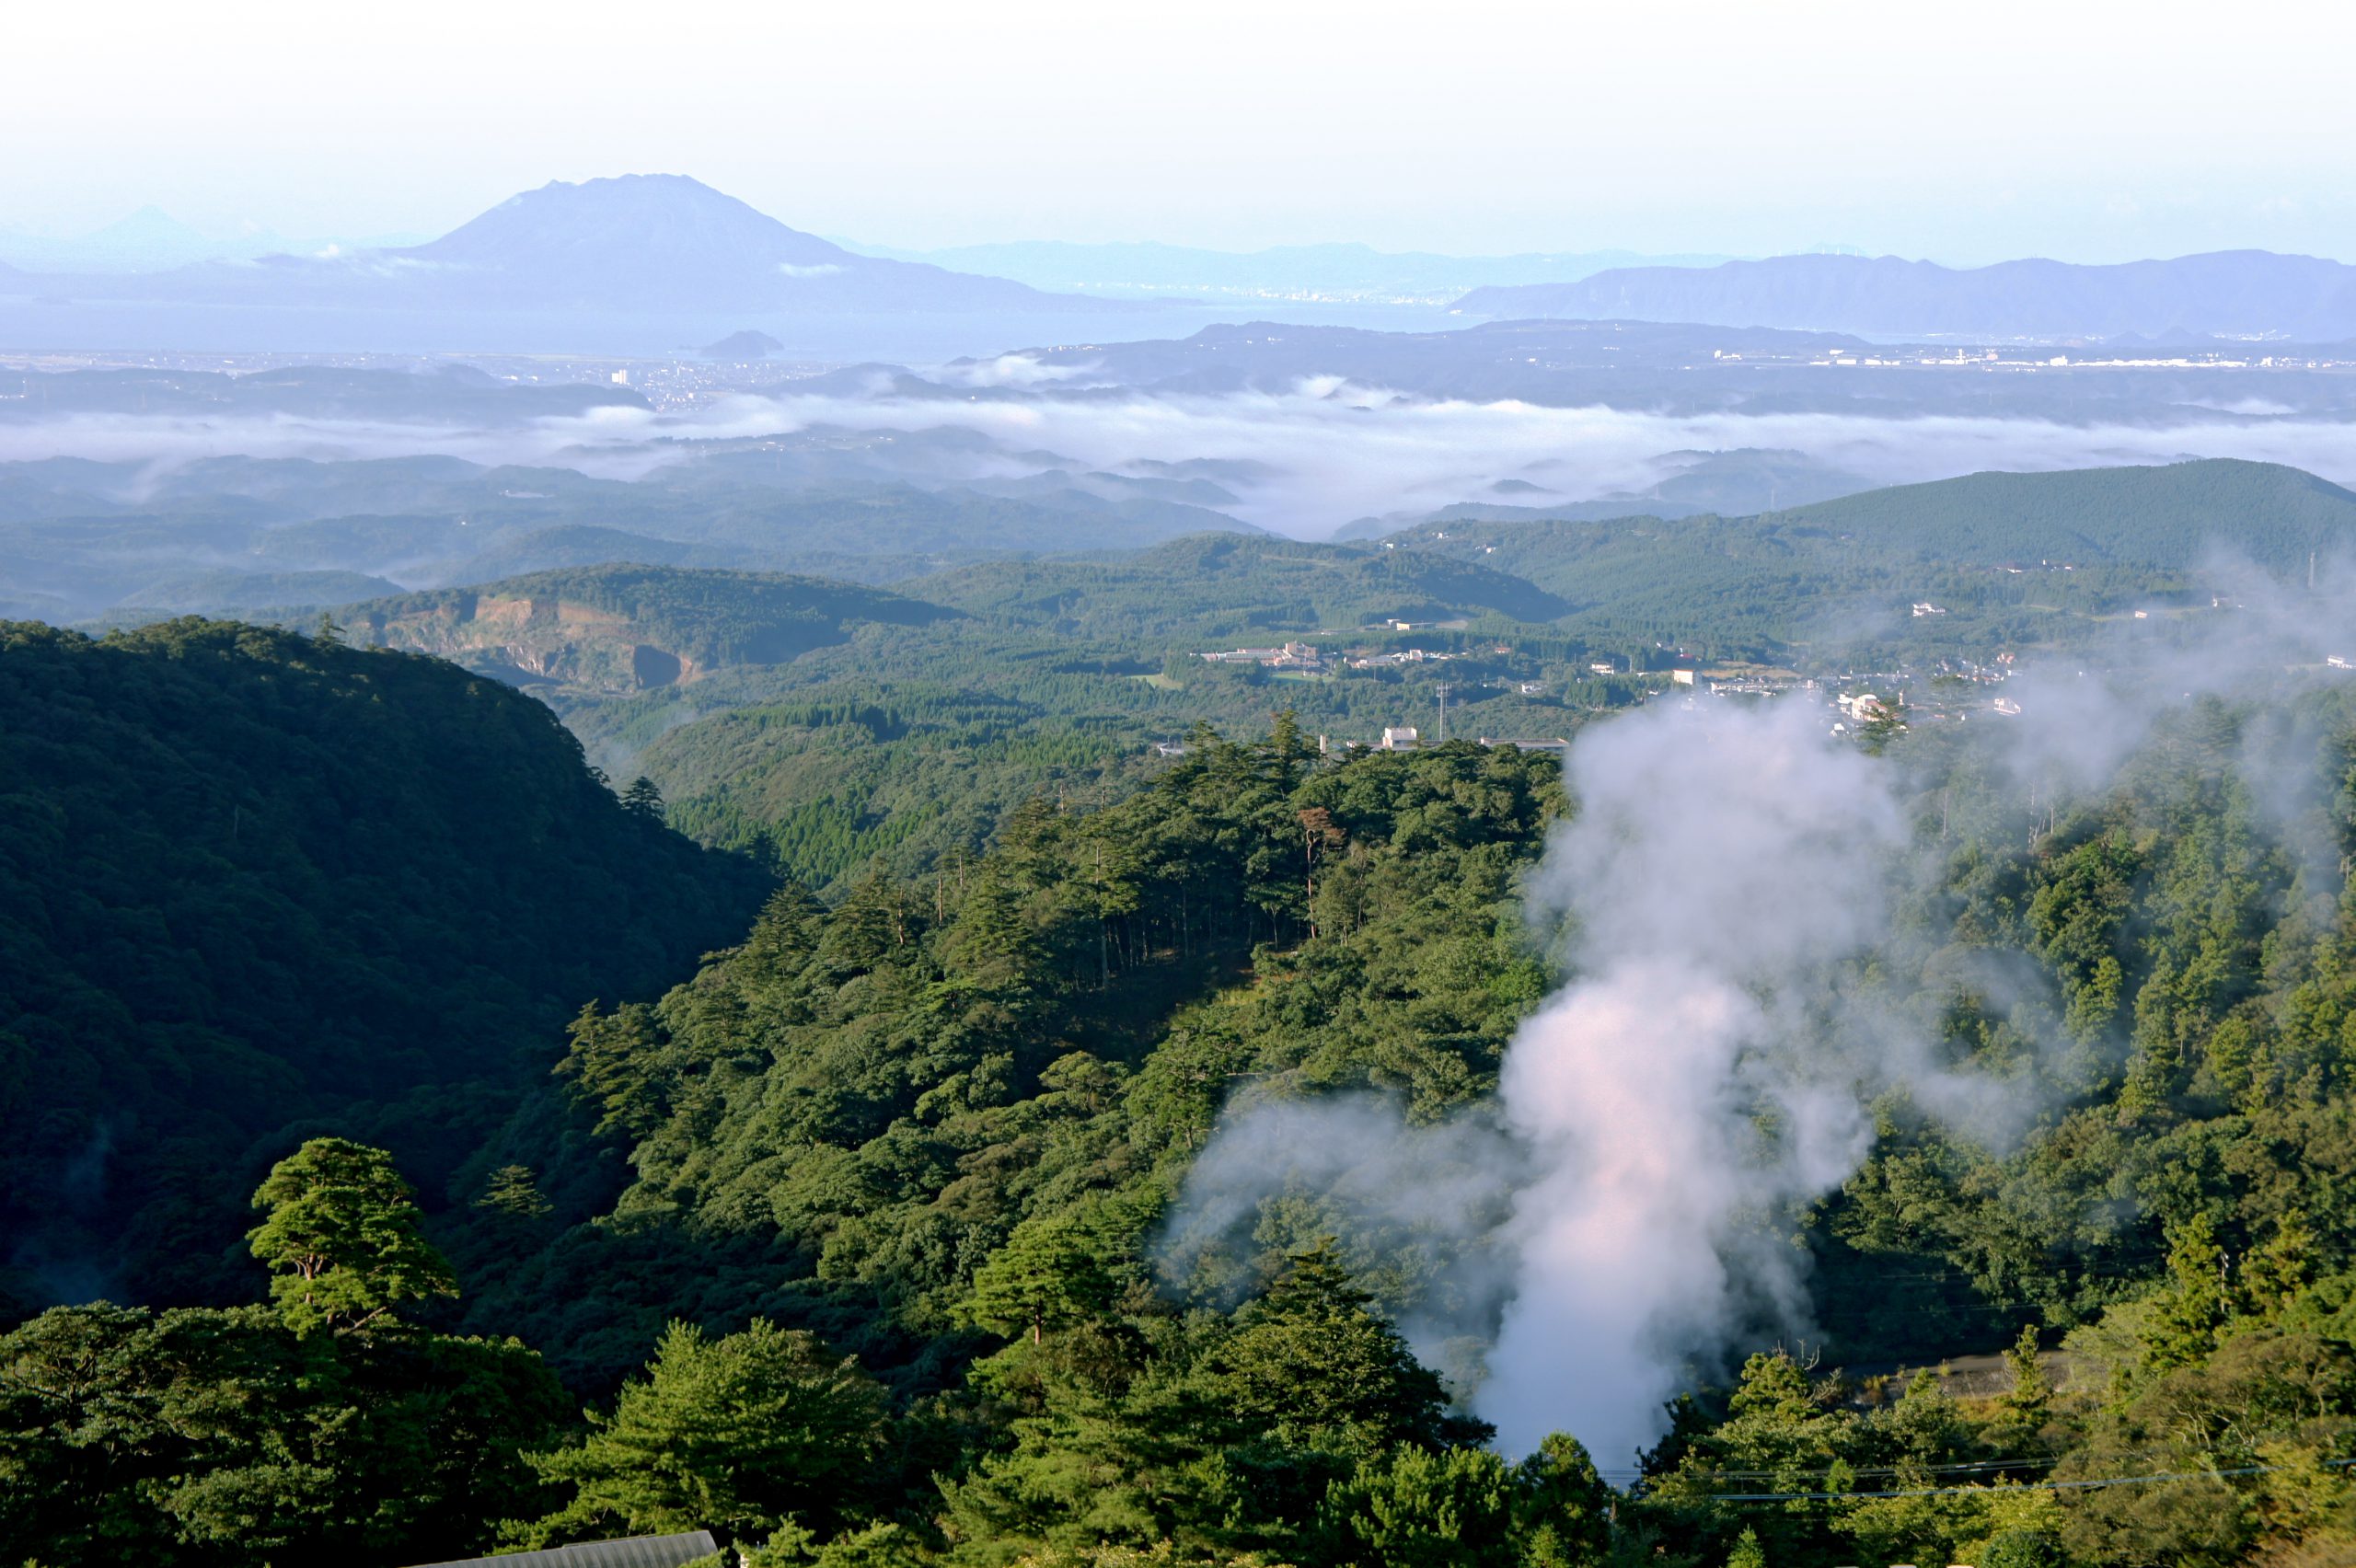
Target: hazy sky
2089 130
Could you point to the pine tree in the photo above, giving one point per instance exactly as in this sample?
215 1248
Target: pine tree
1414 1508
2032 1392
1564 1516
511 1190
343 1238
1048 1275
736 1435
643 798
2184 1322
1309 1363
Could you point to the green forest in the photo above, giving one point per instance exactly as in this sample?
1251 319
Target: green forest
825 727
421 1143
847 1244
249 879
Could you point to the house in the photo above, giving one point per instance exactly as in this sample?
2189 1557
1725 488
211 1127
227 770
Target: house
1399 738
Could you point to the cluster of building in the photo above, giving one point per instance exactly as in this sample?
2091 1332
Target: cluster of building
1406 737
1994 360
1404 656
1302 656
1308 658
1864 708
666 384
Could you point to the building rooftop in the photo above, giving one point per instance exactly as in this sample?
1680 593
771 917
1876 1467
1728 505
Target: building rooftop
633 1551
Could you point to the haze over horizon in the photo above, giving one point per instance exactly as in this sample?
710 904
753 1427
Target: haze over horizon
1517 128
1052 786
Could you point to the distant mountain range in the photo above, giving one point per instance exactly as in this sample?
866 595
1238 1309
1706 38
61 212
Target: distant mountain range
653 242
642 263
2227 294
1358 273
152 240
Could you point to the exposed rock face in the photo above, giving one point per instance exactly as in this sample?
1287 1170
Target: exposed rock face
619 628
540 639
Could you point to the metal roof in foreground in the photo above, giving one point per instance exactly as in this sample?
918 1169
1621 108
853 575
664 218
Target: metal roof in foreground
635 1551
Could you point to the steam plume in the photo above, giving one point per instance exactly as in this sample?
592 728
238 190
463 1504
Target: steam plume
1699 1076
1619 1218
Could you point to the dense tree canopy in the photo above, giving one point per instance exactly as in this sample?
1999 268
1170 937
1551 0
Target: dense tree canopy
852 1244
248 879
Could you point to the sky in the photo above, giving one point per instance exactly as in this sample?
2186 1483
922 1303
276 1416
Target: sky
2078 128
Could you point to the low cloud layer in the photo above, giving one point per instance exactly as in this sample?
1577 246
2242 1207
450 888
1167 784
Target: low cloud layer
1333 453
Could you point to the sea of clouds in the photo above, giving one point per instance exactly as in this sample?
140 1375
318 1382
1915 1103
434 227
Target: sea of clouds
1327 454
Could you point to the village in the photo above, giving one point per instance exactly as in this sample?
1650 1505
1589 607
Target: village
1858 703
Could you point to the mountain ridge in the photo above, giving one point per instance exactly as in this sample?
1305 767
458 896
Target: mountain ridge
2227 293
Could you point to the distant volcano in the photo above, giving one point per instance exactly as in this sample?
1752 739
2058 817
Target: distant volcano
666 242
638 242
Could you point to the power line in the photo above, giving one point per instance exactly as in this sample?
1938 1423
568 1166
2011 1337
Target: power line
1957 1468
2026 1486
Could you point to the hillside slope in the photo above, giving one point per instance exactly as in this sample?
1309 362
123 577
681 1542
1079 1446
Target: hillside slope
2009 560
2170 515
255 886
1217 583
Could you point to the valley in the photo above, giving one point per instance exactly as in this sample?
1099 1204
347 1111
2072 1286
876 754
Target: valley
1531 788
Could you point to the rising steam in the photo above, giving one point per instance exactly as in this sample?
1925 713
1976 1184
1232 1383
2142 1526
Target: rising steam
1621 1217
1699 1076
1611 1227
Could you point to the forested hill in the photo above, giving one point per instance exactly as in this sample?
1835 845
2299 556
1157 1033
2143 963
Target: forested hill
1213 583
903 1168
2165 516
249 880
2012 559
